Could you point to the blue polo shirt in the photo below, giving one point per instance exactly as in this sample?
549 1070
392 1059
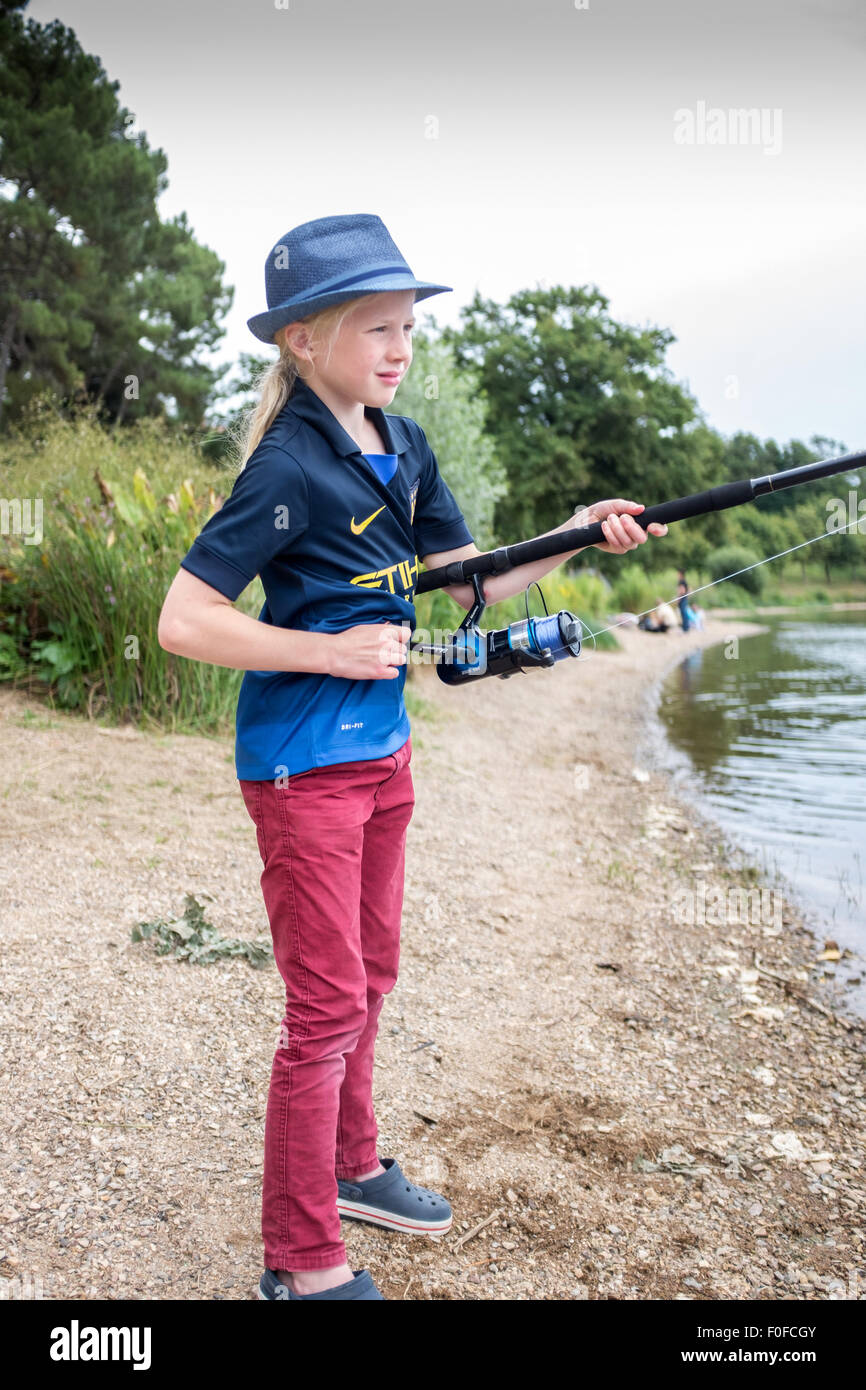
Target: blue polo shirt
335 536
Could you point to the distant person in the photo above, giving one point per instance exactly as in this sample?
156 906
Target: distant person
664 616
660 619
687 617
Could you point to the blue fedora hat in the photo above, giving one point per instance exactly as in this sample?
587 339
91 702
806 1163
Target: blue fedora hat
329 261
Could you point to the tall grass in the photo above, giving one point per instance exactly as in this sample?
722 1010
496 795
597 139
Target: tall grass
47 453
79 610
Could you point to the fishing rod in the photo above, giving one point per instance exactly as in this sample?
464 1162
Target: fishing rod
473 653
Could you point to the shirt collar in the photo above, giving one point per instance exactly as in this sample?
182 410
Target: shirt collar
307 405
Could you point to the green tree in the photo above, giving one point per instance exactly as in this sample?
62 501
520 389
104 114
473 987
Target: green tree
98 297
780 520
579 407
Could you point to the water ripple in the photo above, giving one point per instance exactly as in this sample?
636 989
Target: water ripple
776 744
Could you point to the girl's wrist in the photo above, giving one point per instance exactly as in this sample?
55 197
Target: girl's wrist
311 652
327 653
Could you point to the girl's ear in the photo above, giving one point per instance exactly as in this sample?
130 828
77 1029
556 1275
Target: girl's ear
296 337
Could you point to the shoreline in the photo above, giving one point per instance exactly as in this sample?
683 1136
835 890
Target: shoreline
639 1108
765 611
797 903
730 1000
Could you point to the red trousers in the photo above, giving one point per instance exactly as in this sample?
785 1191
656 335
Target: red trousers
332 843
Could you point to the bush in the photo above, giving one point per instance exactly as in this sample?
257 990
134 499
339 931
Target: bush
636 591
731 596
728 559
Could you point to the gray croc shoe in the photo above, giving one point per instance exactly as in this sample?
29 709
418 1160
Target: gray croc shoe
360 1286
391 1200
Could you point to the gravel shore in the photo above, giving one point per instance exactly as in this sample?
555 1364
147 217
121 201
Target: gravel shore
618 1103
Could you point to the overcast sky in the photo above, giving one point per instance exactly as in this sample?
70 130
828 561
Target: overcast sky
557 157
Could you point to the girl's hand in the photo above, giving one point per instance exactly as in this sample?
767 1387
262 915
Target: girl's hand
370 651
621 531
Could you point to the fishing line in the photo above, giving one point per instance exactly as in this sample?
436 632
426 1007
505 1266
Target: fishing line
531 642
634 617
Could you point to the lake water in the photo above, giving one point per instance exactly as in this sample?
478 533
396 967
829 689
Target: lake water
772 738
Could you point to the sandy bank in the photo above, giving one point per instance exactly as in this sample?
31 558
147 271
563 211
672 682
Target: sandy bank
641 1112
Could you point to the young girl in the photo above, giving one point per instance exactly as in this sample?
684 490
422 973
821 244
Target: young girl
333 506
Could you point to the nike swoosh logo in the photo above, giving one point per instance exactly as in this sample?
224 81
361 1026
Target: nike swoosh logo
359 526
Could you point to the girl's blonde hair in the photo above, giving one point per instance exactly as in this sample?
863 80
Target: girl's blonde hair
276 383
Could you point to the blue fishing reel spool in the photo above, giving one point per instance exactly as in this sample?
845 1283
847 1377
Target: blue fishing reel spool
524 645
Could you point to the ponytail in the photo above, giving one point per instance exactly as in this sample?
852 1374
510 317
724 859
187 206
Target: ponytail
274 386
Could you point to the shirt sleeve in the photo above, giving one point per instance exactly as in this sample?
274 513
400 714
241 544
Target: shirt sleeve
268 508
438 523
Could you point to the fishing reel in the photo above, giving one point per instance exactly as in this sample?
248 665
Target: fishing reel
473 653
